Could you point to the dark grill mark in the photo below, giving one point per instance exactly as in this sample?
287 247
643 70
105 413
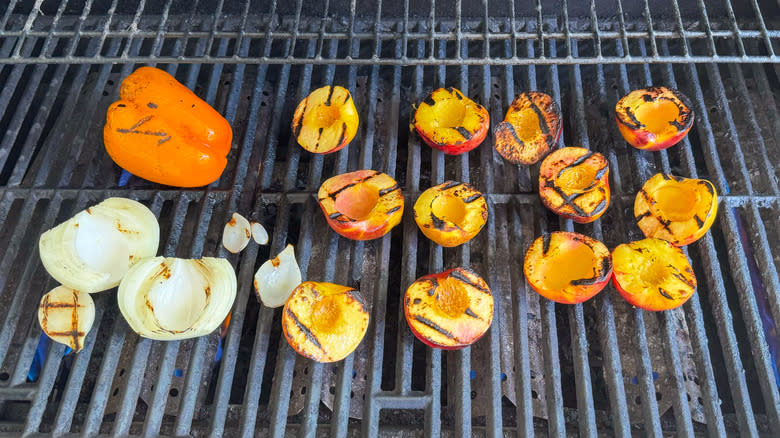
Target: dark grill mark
343 133
437 222
540 115
699 222
429 100
384 192
151 105
576 162
683 278
708 186
336 193
355 295
471 313
464 132
393 210
635 123
506 126
666 176
458 275
472 198
643 215
299 122
665 294
335 215
134 129
305 330
569 200
427 322
448 185
546 237
330 95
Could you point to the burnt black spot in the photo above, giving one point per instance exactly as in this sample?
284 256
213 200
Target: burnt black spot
437 222
121 105
666 176
429 100
416 301
647 98
152 105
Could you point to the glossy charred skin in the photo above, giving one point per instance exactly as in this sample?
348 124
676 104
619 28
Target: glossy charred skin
449 310
451 213
326 120
530 129
567 267
361 205
677 209
653 274
324 322
654 118
451 122
574 183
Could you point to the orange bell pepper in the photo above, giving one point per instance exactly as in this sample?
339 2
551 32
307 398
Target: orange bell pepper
161 131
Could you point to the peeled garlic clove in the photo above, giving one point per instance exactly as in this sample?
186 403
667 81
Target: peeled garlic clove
91 251
236 235
171 298
66 315
277 278
259 234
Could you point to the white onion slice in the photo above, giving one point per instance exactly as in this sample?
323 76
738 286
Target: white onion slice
236 235
171 298
277 278
66 316
91 251
259 234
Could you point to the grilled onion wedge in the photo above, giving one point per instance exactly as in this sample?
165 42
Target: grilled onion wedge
171 299
66 316
93 250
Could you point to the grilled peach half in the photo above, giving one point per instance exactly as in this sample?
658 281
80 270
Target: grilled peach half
677 209
567 267
653 274
654 118
324 322
530 129
449 310
574 183
451 122
361 205
326 120
451 213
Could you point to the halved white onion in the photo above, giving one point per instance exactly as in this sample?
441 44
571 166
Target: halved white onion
277 278
259 234
236 235
66 316
91 251
171 298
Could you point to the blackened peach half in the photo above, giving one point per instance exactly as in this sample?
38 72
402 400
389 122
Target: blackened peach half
677 209
451 122
653 274
361 205
530 129
654 118
567 267
449 310
324 322
451 213
326 120
574 183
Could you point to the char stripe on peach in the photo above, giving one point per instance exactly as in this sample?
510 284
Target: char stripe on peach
472 198
471 313
383 192
305 330
546 237
430 324
464 279
362 180
664 293
465 133
540 115
393 210
330 95
449 185
567 200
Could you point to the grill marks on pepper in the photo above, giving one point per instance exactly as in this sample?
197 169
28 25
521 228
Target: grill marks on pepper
134 130
310 336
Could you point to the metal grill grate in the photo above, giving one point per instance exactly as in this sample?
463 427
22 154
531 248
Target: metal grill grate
598 368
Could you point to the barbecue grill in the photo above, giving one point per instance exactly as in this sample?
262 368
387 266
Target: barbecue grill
599 368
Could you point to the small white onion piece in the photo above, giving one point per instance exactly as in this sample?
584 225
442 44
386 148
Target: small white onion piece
236 235
66 316
91 251
277 278
259 234
170 298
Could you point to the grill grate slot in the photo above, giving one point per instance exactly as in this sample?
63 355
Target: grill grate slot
602 367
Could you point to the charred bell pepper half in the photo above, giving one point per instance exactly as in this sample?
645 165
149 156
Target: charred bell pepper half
654 118
324 322
530 129
449 310
653 274
677 209
326 120
361 205
567 267
574 183
451 122
161 131
451 213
